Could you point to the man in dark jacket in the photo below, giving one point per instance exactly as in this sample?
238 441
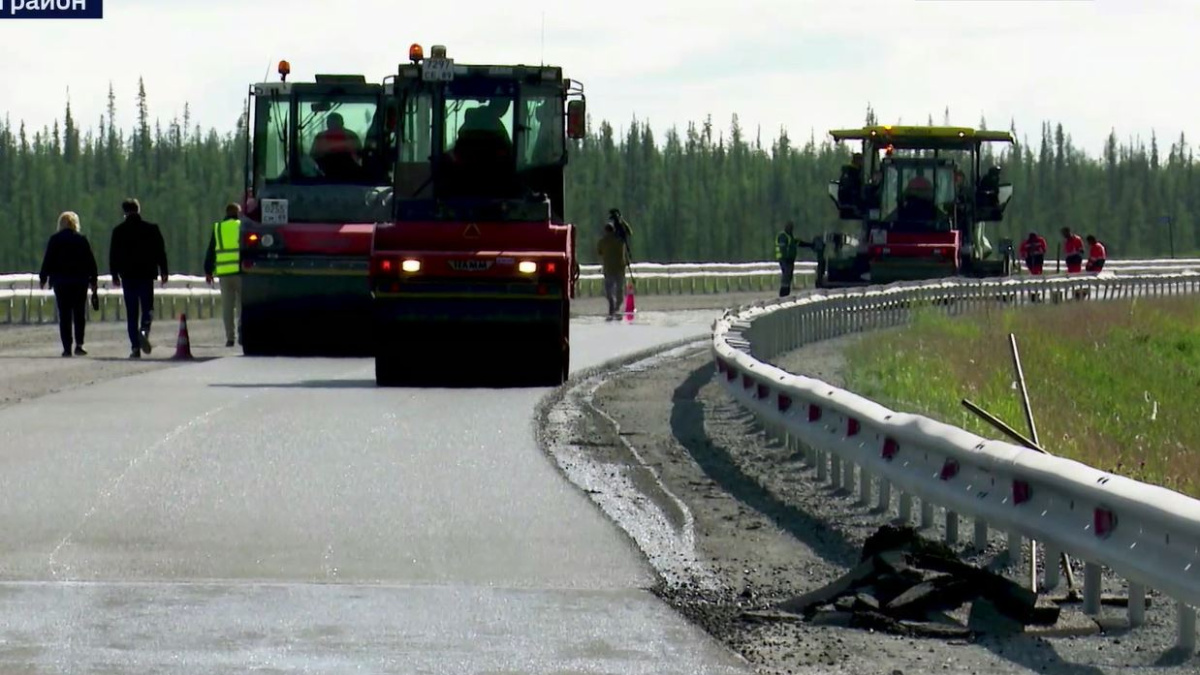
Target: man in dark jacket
136 256
70 267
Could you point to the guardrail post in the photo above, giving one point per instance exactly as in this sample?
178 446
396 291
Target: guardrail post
835 469
1137 603
864 486
848 476
906 503
885 494
1187 628
926 513
822 465
1091 589
981 534
951 527
1014 549
1050 569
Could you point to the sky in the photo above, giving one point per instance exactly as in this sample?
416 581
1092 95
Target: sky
804 65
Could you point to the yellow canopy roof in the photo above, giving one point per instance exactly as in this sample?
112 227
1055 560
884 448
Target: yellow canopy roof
900 137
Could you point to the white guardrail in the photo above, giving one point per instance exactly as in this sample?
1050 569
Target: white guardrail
21 301
1146 534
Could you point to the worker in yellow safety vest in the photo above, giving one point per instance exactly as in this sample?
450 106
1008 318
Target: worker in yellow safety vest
222 260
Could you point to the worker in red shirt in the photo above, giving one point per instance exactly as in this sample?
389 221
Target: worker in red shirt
1033 251
1096 254
1073 250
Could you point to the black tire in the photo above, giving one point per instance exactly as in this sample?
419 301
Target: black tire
388 371
255 337
554 364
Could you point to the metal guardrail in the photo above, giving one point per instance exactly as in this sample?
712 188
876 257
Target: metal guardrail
809 267
24 300
1146 534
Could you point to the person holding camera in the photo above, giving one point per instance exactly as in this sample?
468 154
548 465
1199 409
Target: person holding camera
70 268
620 227
613 260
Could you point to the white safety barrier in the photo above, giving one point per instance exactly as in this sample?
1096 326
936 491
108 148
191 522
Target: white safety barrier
809 267
22 301
1146 534
651 279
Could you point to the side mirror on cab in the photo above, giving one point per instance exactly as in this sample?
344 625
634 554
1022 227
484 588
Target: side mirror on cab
576 119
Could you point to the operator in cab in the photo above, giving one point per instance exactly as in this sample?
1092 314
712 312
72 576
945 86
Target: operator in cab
483 128
918 199
336 150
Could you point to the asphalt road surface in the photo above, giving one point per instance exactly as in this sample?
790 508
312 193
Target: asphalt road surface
285 515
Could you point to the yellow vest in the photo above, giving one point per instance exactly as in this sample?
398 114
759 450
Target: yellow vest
228 247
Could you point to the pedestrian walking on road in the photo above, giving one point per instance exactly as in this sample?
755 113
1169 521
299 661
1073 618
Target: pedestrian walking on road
222 260
613 260
136 256
70 268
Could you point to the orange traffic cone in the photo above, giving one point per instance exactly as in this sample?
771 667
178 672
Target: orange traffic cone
629 301
183 347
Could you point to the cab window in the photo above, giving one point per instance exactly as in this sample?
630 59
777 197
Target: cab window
416 147
478 123
542 137
272 127
338 139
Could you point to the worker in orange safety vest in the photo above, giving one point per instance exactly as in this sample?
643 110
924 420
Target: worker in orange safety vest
1033 252
1096 254
1073 251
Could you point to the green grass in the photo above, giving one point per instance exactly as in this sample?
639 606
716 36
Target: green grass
1115 385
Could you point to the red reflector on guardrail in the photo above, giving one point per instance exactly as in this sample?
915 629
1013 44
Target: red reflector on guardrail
814 412
852 427
785 402
1021 492
763 391
890 449
949 469
1105 522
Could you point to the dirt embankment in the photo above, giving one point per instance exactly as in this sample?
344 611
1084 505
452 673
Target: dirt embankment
761 530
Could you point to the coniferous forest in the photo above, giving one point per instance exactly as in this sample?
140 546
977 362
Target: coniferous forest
711 192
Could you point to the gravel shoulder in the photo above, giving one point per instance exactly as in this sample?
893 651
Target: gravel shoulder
734 522
31 364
